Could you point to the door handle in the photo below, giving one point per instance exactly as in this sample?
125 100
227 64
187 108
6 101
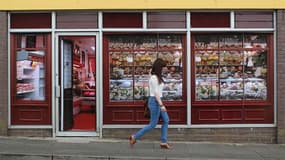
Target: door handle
57 91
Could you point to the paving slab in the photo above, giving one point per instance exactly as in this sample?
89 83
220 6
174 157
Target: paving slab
22 148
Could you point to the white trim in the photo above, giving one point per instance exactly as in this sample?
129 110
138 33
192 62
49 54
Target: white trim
173 30
233 30
53 75
120 11
99 64
76 33
143 30
75 133
275 68
77 30
140 126
31 127
53 20
232 18
197 126
30 11
211 11
144 20
188 21
188 68
30 30
9 72
234 126
56 77
100 20
99 82
61 70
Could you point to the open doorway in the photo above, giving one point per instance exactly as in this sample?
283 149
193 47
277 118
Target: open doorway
77 61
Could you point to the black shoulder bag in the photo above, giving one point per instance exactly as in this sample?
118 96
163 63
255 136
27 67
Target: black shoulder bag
146 112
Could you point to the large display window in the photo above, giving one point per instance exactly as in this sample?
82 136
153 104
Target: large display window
130 58
131 61
30 78
232 70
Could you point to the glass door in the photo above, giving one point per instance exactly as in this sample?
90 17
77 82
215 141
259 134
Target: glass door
77 69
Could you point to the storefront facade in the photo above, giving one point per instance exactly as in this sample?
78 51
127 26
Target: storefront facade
84 72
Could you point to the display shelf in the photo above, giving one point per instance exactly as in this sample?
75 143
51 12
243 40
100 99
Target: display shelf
229 67
130 62
25 77
30 74
28 91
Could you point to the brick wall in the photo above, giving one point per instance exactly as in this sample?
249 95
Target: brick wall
4 74
280 76
30 132
224 135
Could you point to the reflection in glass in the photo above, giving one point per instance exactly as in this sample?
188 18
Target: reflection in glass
230 67
131 58
206 89
206 42
231 89
30 71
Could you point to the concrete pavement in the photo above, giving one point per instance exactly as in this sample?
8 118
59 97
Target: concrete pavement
17 148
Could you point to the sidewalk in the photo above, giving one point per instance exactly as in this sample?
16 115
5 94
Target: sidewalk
12 148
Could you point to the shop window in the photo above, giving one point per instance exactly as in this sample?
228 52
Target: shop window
232 74
231 67
30 20
210 19
127 62
30 72
166 19
122 20
67 20
251 19
30 78
131 58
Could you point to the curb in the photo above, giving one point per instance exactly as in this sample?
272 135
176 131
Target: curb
22 156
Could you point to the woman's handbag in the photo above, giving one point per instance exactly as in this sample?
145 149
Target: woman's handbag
146 112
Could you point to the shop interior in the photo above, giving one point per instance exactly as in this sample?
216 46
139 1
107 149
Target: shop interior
79 83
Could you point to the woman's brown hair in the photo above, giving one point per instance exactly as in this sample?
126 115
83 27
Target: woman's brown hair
157 69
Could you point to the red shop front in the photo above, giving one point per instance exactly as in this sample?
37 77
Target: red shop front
220 68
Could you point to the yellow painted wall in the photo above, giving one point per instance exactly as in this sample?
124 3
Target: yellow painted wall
139 4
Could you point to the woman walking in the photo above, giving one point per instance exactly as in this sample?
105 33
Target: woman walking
156 107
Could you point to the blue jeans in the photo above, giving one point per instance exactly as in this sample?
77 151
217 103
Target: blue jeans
155 113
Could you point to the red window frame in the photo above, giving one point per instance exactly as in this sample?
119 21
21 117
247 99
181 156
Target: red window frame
234 111
131 112
30 112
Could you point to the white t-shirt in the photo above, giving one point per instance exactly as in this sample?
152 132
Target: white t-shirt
154 86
